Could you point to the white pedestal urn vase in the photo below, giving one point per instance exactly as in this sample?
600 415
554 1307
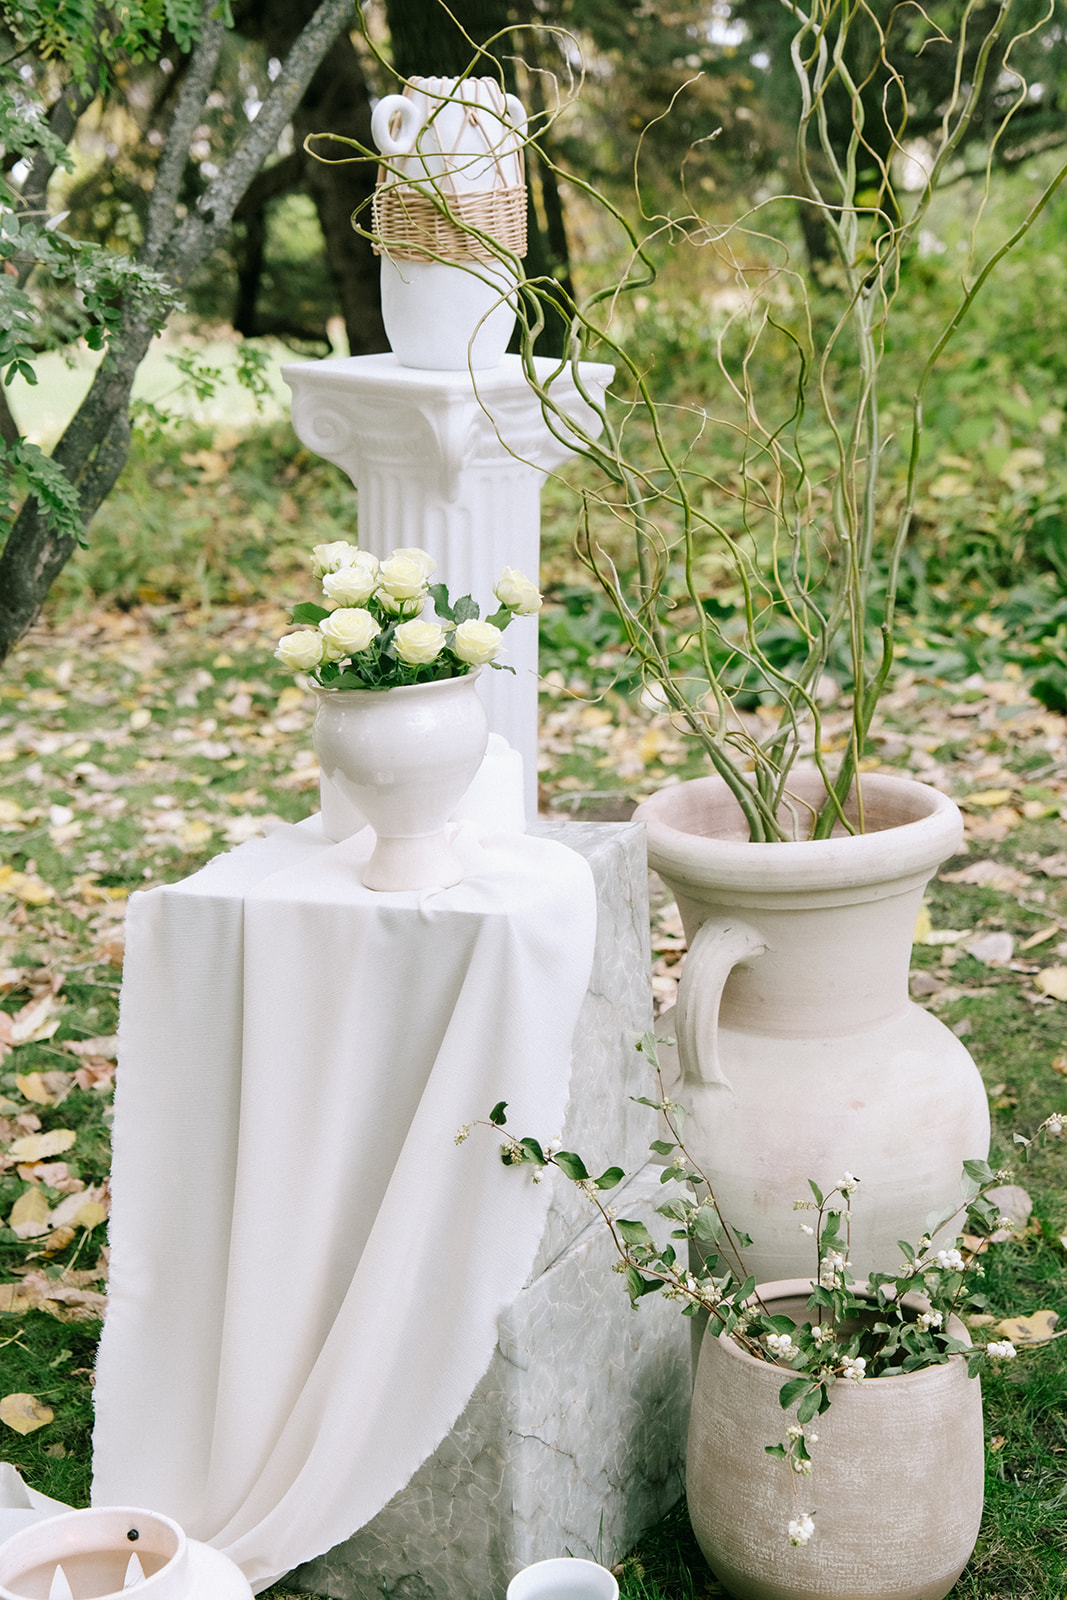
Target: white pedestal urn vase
404 758
801 1054
449 220
895 1490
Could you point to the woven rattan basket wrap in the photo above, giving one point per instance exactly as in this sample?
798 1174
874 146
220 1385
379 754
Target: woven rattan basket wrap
409 224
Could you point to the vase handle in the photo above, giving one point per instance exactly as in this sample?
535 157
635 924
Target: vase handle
717 948
410 121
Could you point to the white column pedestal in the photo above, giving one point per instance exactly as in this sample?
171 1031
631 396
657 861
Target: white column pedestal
454 463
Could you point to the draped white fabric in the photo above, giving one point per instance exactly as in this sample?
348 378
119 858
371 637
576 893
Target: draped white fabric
306 1269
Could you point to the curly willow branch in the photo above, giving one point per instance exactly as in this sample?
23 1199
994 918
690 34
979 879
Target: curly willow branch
801 522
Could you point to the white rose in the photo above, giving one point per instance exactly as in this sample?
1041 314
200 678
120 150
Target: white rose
353 584
476 642
418 642
403 586
300 651
348 631
420 557
331 557
515 591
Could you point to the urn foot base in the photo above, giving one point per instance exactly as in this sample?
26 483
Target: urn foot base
426 863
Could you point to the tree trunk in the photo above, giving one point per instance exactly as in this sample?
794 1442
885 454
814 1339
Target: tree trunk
337 102
94 446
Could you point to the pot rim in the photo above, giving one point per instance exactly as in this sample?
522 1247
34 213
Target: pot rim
931 832
89 1531
800 1288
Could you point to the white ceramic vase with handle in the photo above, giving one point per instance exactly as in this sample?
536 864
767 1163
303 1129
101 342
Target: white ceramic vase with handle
801 1053
456 139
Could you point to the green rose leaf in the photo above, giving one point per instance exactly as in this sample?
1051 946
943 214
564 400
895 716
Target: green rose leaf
308 611
441 603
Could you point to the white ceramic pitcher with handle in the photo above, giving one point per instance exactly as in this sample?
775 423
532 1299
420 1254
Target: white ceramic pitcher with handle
459 134
453 153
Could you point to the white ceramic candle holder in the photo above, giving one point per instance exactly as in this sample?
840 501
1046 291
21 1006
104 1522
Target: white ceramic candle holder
105 1553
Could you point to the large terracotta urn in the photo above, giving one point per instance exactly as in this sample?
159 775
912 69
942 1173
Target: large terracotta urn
800 1053
895 1492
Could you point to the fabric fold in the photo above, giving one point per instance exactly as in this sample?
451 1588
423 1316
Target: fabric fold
307 1270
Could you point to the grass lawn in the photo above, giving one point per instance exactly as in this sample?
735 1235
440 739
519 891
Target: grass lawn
144 727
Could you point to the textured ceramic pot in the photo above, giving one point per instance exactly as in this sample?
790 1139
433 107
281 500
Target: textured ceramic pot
563 1578
801 1054
403 758
896 1486
94 1549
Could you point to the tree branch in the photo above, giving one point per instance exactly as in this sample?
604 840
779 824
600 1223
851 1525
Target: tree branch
196 236
94 446
9 428
194 91
62 120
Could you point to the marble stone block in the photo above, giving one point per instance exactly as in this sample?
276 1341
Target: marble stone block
574 1440
603 1124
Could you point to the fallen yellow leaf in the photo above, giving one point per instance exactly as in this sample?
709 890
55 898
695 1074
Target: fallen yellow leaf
195 833
33 891
1034 1329
13 1297
31 1088
1053 981
30 1213
36 1021
988 798
84 1210
24 1413
39 1146
90 1215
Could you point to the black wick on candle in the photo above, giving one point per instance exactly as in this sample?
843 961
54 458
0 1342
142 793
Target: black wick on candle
133 1535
